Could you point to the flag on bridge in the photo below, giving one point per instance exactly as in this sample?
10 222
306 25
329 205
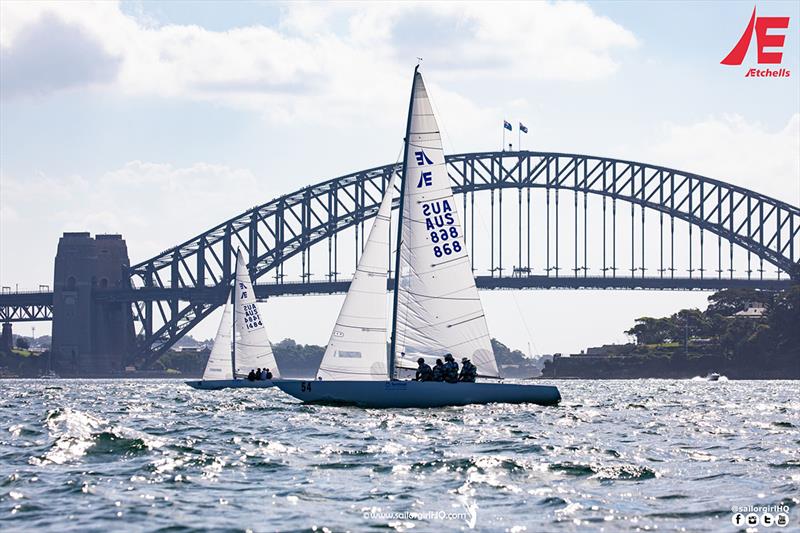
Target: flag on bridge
507 125
523 128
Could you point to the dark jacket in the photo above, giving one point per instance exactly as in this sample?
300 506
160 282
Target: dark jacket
424 372
451 372
468 372
438 372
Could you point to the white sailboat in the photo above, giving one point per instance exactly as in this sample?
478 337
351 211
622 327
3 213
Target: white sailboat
241 344
436 307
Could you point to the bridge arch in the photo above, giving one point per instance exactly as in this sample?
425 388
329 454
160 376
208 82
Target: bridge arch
185 283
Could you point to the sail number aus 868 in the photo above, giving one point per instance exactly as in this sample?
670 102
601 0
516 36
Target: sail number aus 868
440 223
445 249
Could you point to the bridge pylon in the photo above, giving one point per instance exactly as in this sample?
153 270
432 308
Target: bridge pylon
90 337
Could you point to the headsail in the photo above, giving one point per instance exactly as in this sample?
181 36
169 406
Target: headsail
219 361
253 349
357 347
438 307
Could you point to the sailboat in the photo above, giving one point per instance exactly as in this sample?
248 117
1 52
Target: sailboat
241 343
436 309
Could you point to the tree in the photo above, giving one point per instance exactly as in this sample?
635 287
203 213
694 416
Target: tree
650 330
506 356
729 301
783 317
22 343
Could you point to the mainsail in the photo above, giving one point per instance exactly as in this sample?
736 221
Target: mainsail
438 307
252 349
219 361
357 346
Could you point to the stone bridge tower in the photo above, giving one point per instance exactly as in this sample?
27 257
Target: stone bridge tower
90 338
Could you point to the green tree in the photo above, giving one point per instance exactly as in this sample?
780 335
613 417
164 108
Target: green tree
22 343
729 301
783 318
650 330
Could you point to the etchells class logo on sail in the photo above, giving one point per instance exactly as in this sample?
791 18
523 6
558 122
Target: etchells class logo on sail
767 36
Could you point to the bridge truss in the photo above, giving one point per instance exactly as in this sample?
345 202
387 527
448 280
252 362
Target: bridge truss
554 220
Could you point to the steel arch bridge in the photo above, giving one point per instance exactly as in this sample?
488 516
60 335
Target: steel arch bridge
175 290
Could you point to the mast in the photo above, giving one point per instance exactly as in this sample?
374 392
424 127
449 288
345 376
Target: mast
393 344
234 301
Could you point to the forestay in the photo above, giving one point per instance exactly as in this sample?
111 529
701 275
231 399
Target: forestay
253 349
219 361
439 310
357 347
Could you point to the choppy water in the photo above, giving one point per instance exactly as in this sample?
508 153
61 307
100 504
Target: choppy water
617 455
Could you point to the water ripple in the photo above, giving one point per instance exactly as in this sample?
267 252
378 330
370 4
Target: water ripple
621 455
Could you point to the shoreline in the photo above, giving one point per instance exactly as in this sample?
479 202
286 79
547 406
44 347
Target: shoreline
536 379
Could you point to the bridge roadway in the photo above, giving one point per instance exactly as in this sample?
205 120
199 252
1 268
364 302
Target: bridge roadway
37 306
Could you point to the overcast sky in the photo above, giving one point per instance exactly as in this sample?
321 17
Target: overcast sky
159 120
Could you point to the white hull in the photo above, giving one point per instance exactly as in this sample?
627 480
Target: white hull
218 384
416 394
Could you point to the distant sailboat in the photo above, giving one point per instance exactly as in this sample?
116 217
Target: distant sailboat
436 307
241 343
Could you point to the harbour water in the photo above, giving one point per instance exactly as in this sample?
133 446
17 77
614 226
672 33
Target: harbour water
617 455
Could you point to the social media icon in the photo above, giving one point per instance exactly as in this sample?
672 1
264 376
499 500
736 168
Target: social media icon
737 519
767 520
752 519
782 519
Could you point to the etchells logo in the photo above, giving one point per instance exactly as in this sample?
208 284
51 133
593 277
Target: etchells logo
765 38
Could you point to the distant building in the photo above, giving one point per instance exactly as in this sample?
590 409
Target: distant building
190 349
753 310
604 350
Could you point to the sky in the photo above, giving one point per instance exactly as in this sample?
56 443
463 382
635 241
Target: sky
158 120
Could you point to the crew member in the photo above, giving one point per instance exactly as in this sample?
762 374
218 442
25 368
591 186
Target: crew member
424 370
450 369
438 371
468 371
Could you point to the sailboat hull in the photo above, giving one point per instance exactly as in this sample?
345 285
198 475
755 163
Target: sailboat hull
383 394
218 384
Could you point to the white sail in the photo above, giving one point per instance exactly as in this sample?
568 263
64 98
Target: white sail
357 347
219 361
253 349
439 310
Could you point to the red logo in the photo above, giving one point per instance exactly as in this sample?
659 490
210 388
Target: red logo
763 40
